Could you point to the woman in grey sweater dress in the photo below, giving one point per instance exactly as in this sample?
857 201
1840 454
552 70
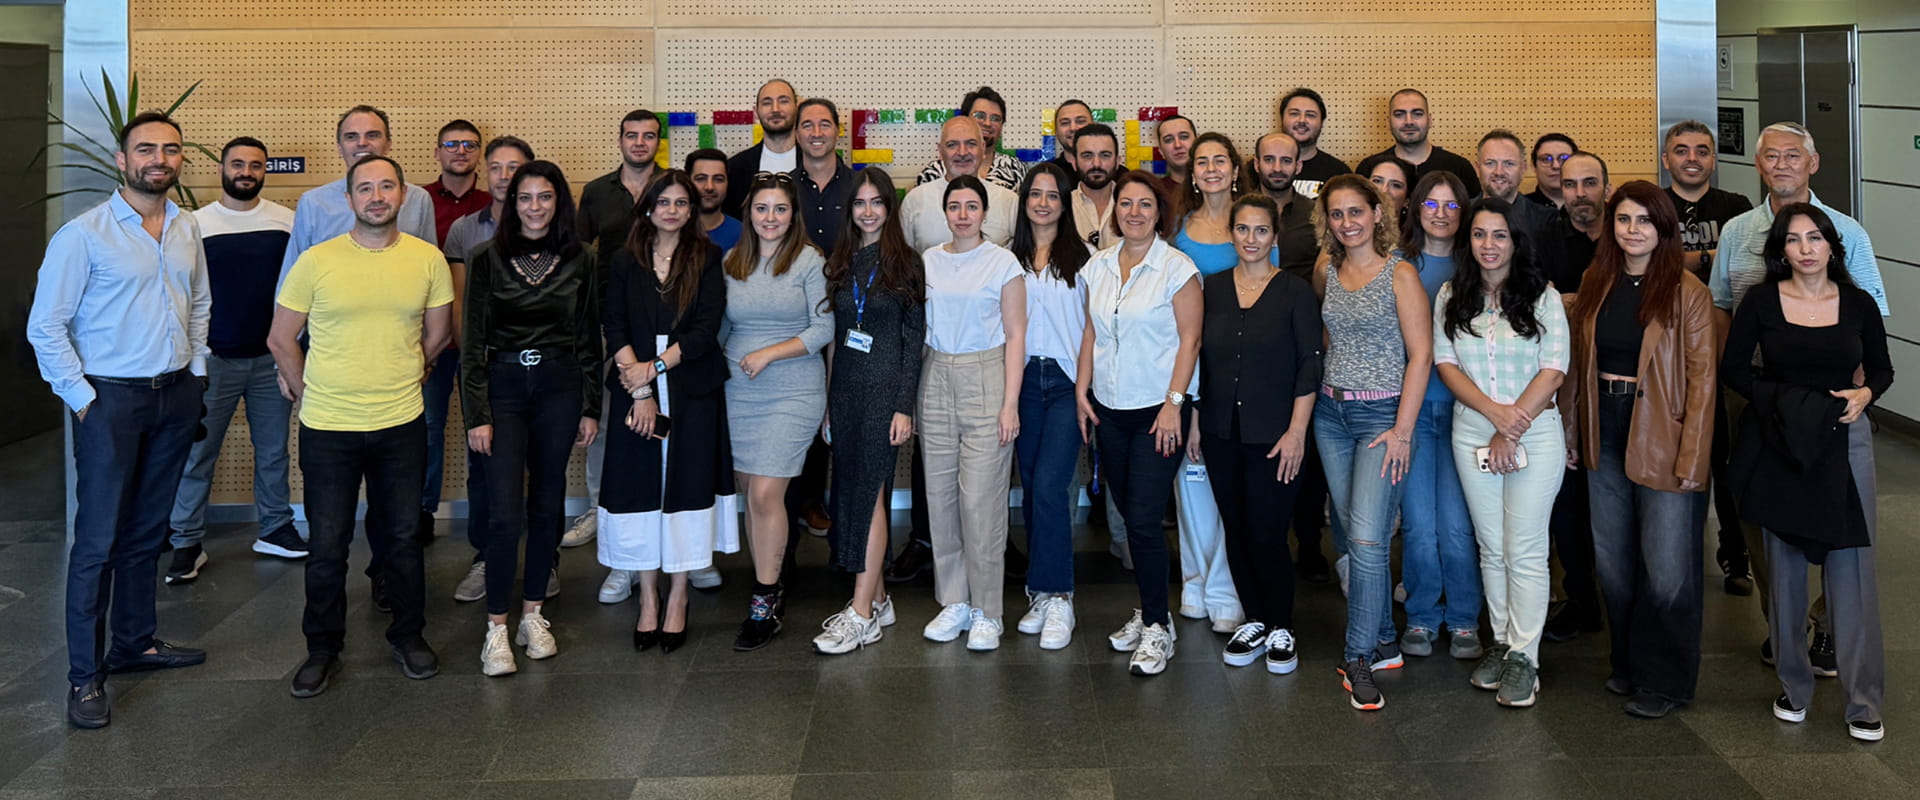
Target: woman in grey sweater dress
777 321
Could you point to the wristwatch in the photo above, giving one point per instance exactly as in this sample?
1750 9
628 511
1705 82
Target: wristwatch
659 365
1176 398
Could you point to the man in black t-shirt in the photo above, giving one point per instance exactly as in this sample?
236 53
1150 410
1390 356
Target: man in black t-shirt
1302 113
1688 155
1408 118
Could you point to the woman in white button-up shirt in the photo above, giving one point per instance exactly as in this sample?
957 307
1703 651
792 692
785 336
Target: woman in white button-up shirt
1136 373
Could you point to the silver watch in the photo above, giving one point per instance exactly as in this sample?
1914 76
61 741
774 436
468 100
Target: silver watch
1176 398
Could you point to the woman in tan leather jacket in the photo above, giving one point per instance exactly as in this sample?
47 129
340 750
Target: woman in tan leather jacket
1639 401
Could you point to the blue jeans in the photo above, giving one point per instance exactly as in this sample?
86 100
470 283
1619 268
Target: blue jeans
1438 559
1049 454
1647 555
1365 504
127 457
228 380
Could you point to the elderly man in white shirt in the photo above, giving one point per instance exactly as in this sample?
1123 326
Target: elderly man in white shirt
961 147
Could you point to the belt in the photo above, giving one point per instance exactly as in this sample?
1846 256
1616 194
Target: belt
1613 386
529 357
155 382
1348 394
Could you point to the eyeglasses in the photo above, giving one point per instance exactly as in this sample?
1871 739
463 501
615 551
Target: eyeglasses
459 144
986 117
1549 158
1435 205
776 177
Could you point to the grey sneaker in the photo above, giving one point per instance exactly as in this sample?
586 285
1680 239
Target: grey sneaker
1519 682
1417 642
1464 645
1487 674
474 586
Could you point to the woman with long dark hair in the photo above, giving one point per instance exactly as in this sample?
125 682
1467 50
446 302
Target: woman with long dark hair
1438 562
777 322
878 290
1500 343
530 388
1047 244
669 502
1814 332
1640 396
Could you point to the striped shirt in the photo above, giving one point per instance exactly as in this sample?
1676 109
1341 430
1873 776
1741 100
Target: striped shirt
1500 362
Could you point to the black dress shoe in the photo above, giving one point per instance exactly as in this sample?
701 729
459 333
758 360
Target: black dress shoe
88 705
379 589
645 640
314 674
416 659
164 656
1649 706
915 559
1620 686
672 640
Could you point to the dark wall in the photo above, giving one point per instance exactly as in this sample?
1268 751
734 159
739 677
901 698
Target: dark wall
27 406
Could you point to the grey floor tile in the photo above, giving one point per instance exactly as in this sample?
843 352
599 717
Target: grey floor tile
734 724
1666 778
1181 716
1586 721
969 717
556 727
1792 777
1460 723
326 791
728 787
1037 784
838 786
1350 781
1158 779
1560 779
572 790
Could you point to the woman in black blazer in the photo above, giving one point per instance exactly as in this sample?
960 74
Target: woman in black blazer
1259 369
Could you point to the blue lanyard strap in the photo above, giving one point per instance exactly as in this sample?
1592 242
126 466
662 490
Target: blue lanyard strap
860 295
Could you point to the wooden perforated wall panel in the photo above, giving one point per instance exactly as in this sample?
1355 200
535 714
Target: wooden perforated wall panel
560 73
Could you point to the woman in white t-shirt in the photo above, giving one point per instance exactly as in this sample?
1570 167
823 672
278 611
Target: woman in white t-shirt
969 415
1137 371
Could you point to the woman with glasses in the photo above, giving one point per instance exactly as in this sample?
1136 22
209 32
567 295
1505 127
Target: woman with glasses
673 504
1804 469
1438 561
530 385
777 321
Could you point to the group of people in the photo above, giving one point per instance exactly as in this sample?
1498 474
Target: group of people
1254 337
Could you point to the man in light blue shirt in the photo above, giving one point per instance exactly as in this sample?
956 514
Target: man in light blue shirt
119 326
323 212
1787 160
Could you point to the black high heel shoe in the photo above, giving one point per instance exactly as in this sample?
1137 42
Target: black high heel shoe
672 640
645 640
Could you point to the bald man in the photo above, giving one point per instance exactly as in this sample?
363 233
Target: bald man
962 148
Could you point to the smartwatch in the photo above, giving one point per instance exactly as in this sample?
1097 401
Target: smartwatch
659 365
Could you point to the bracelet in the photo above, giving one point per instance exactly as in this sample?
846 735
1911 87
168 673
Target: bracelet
643 393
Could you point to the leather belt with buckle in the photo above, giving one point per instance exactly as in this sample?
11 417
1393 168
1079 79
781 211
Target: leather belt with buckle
156 382
1616 386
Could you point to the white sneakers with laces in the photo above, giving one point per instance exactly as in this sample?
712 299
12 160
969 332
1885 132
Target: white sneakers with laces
536 634
496 656
846 632
952 621
983 633
1156 647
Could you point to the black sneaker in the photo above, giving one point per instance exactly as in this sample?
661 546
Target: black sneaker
1356 677
88 706
762 622
1280 656
1866 731
186 565
416 659
1313 568
1247 644
1825 663
1784 711
378 586
314 674
1647 705
283 542
1386 655
915 559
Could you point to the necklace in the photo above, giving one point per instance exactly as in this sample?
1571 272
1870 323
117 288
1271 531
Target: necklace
1636 279
1246 290
535 268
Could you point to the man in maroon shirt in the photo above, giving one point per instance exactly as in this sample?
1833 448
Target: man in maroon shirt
457 148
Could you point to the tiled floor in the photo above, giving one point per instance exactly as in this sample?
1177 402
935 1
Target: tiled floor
905 718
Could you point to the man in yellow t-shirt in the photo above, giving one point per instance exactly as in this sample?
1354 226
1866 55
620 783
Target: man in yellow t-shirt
373 301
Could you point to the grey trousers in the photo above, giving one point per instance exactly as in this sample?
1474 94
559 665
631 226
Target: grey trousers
1853 600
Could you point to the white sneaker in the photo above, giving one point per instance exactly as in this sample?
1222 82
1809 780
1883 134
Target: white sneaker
1036 612
883 611
474 586
1340 566
536 634
1128 637
1225 623
1056 632
582 531
496 657
984 633
617 587
951 621
704 578
1156 646
846 632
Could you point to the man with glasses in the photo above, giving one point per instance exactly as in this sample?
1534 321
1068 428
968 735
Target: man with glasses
458 152
455 194
1302 115
1501 168
775 106
984 105
1410 121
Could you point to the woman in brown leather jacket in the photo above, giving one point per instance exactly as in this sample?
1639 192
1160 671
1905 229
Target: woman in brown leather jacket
1640 403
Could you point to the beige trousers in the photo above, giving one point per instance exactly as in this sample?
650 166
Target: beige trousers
967 475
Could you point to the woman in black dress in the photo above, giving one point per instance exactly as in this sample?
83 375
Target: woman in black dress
668 502
877 287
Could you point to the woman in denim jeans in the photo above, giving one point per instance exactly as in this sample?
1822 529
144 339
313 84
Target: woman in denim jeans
1438 560
1640 400
1379 351
1500 342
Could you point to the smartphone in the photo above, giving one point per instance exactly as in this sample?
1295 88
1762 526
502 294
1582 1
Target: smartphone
661 425
1482 456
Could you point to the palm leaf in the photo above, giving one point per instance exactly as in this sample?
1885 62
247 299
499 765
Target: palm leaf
133 94
115 120
116 177
184 95
56 195
90 154
82 134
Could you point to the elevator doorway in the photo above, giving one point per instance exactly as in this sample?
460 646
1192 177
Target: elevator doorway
1809 75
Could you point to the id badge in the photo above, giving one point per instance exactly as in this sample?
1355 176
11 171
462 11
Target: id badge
860 340
1197 473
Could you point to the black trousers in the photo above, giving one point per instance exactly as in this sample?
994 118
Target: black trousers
536 415
1310 503
1254 506
1571 531
393 464
1142 481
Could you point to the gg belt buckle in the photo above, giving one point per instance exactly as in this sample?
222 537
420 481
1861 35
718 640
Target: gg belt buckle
529 358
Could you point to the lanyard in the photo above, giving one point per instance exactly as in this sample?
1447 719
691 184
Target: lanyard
860 296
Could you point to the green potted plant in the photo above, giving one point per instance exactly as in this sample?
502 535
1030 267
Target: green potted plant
96 156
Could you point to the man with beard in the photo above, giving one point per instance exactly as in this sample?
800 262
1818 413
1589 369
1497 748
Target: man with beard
1408 118
376 302
244 236
1068 119
119 327
605 214
708 169
1501 167
986 106
923 212
1096 149
776 106
457 149
1175 135
1302 113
